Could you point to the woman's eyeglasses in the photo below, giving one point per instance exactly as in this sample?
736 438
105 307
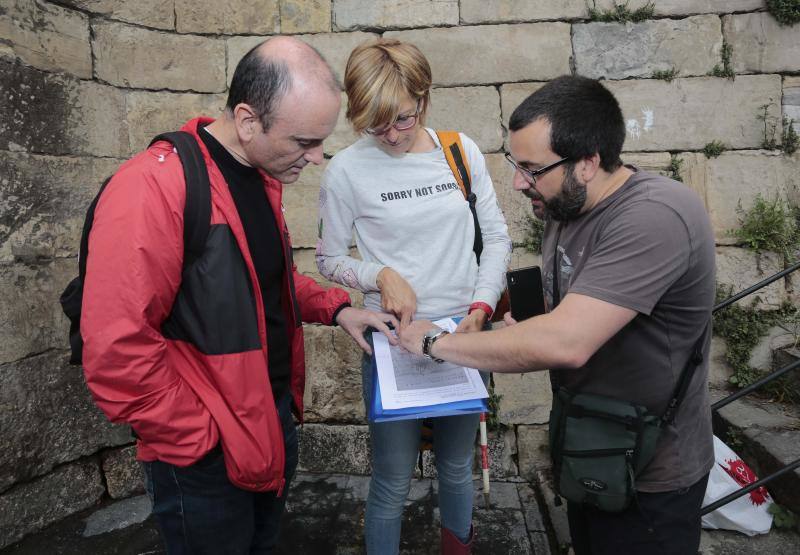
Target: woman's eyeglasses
402 123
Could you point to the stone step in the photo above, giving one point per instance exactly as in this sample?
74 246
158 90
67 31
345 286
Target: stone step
767 437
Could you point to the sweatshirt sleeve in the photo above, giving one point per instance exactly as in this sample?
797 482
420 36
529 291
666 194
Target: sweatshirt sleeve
336 218
496 241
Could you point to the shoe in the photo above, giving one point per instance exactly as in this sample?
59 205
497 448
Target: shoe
451 545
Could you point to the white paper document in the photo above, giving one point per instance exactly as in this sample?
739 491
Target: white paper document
408 380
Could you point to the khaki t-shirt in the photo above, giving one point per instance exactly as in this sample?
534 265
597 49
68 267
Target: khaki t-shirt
648 247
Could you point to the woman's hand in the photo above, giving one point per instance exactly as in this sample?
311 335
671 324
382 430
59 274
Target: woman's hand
474 321
397 296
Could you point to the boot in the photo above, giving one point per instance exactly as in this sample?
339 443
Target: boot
451 545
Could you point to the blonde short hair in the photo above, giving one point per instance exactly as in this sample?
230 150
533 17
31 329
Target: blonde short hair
378 74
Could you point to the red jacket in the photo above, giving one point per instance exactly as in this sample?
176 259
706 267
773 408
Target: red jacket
183 358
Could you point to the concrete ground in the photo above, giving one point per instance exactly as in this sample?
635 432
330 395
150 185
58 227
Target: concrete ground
325 515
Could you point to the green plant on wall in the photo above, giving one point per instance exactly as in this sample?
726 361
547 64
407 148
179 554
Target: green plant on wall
534 228
769 141
789 138
674 168
666 75
714 149
493 416
770 225
786 12
726 69
622 13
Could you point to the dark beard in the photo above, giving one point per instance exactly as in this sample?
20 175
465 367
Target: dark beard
567 204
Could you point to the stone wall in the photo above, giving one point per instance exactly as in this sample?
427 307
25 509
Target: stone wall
84 84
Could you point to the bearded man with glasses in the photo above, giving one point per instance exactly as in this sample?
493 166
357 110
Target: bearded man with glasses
629 276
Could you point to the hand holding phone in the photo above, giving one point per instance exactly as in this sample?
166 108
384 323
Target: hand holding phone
525 292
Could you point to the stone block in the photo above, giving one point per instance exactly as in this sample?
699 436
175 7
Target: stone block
32 506
338 449
741 268
305 16
762 355
515 206
333 376
686 114
334 47
734 179
123 473
47 36
534 453
254 17
149 13
508 11
760 44
474 111
135 57
791 100
521 258
151 113
349 15
525 52
682 7
31 320
525 398
719 371
656 162
614 51
301 206
47 418
343 134
502 447
512 95
58 114
43 202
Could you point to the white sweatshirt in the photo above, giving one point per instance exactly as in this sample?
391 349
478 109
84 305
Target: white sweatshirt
408 213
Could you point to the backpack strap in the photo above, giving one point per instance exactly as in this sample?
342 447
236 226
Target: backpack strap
454 154
197 211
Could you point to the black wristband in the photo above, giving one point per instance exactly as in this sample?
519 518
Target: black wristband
337 311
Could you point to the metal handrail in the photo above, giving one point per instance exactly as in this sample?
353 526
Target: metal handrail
749 389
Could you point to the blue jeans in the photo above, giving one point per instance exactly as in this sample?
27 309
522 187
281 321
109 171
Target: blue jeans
394 453
199 511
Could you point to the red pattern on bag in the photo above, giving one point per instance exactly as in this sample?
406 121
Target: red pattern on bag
739 471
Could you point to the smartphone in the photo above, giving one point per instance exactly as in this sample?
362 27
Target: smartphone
525 292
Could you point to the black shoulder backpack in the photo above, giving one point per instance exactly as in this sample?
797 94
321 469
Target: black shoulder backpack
196 216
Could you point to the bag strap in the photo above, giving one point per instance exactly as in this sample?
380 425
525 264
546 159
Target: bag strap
454 154
197 211
695 359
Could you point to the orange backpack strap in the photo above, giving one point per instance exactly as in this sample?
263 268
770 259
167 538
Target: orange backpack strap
454 154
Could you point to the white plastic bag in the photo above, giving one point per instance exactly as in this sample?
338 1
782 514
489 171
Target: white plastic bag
747 514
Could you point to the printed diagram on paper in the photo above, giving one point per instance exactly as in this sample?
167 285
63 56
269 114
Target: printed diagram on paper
409 380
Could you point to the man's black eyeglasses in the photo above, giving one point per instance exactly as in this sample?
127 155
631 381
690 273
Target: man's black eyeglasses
531 175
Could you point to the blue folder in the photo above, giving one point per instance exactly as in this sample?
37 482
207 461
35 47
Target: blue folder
377 413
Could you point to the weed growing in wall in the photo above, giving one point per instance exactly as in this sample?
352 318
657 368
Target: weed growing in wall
770 225
666 75
786 12
674 168
789 138
714 149
622 13
726 69
534 228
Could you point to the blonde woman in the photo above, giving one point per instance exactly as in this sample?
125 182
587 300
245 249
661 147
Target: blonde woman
414 232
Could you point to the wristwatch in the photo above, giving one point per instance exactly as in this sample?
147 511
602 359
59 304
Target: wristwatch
429 339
